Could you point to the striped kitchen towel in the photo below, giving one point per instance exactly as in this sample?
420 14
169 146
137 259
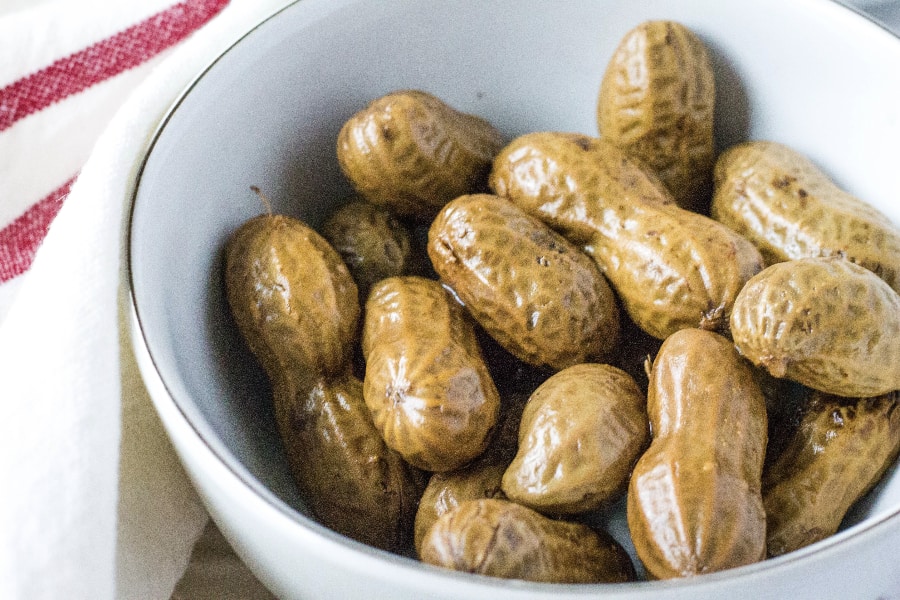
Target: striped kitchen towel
93 503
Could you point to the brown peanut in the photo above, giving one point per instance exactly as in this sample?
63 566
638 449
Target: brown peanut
429 392
824 322
412 153
839 452
672 268
656 103
790 209
502 539
296 306
581 433
538 295
373 244
694 501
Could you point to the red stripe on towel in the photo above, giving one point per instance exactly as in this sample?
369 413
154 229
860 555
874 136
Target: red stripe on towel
100 61
20 239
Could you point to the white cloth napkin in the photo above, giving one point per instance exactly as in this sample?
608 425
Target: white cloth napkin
93 502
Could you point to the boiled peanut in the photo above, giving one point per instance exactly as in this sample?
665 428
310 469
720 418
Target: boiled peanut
841 449
790 209
656 103
538 295
824 322
580 435
694 501
292 298
350 480
373 244
296 306
412 153
502 539
429 392
672 268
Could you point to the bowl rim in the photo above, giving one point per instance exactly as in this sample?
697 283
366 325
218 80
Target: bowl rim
412 567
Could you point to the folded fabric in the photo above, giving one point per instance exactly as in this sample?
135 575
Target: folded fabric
95 504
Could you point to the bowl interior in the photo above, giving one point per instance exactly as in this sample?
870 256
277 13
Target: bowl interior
808 73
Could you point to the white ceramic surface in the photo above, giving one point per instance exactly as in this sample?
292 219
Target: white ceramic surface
810 73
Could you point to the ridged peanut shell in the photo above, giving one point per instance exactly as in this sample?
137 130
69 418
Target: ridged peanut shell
292 298
372 242
656 103
694 501
581 432
839 452
411 152
672 268
429 391
502 539
783 203
537 294
350 480
824 322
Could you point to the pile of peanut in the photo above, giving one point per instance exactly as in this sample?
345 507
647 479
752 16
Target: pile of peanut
715 337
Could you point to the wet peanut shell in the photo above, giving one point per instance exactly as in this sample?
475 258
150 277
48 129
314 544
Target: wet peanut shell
789 208
350 480
824 322
840 451
372 242
502 539
656 103
411 152
581 433
429 391
478 479
292 298
694 501
534 292
672 268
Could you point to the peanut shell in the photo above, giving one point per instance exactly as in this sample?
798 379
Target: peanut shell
656 103
672 268
411 152
824 322
373 244
581 433
694 501
841 449
296 305
790 209
501 539
538 295
429 391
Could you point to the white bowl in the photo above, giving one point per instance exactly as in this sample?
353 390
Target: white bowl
810 73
